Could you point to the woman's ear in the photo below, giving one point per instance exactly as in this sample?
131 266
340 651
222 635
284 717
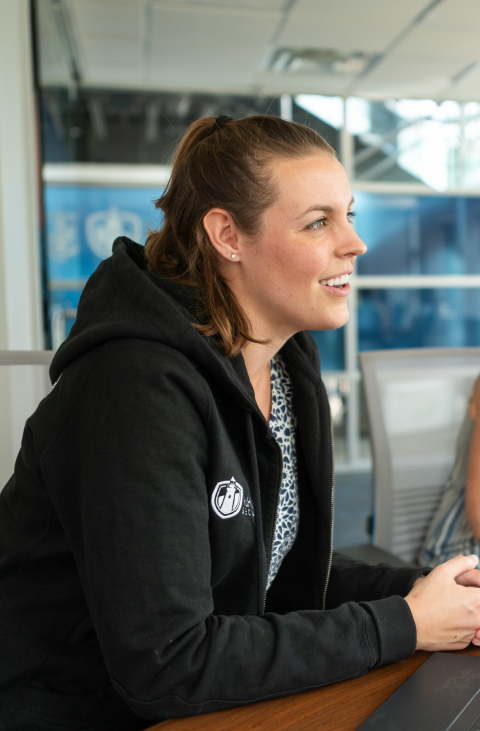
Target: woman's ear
223 233
474 404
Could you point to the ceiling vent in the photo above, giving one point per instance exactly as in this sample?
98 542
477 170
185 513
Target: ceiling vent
319 61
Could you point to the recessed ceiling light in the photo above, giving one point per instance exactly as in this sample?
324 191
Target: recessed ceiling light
316 60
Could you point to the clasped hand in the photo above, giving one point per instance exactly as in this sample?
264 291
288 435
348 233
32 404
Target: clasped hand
446 606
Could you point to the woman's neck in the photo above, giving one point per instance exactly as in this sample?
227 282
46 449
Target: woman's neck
257 361
257 356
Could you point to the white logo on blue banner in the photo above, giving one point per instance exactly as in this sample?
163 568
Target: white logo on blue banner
103 227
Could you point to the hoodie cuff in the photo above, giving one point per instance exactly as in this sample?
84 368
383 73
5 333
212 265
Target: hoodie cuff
391 629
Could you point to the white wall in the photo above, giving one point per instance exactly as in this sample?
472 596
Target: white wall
20 286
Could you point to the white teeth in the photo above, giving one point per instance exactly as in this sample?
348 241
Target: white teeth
336 281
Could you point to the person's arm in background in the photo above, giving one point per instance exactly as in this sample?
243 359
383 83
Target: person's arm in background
472 491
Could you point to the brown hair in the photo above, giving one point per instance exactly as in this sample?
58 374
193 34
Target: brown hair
227 168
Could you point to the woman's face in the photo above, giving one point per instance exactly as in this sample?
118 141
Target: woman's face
288 279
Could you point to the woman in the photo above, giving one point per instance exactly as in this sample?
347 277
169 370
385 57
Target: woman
167 534
455 529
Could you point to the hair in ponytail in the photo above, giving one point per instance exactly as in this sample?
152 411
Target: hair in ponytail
221 164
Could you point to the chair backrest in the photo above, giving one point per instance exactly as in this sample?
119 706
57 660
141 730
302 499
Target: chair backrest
24 382
416 401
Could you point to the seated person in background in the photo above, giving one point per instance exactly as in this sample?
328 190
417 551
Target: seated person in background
455 529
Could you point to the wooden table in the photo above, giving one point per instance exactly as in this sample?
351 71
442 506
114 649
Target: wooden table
338 707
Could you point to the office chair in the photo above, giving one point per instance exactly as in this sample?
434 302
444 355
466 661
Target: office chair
416 401
24 381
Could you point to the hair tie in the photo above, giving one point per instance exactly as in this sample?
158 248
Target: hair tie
220 121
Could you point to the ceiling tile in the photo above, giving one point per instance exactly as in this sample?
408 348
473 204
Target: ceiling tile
455 14
468 87
126 53
108 17
272 83
175 67
227 42
411 66
410 74
104 74
435 42
258 4
302 32
348 25
367 11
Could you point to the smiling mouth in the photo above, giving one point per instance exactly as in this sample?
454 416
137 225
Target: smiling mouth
338 282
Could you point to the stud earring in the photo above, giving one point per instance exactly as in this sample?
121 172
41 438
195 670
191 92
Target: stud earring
234 256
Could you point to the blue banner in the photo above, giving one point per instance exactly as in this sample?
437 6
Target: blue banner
83 221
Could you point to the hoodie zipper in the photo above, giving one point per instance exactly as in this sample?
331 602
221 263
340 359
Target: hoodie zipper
277 506
332 449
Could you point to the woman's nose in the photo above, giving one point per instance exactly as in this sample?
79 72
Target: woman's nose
353 245
361 246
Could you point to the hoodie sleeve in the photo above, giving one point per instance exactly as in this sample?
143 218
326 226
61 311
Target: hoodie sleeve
352 580
127 476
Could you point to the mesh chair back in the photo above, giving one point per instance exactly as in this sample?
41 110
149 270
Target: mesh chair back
24 381
416 401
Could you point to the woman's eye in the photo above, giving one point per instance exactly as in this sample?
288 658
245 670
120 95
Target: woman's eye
319 223
351 216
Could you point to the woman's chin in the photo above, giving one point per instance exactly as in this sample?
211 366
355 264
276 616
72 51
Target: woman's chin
338 319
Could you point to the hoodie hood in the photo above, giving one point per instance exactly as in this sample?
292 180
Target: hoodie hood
122 299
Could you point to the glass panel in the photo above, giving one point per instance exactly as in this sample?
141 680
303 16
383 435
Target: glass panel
331 348
416 140
408 234
324 114
416 318
375 129
130 126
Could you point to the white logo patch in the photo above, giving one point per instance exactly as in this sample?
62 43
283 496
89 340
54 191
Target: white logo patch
227 498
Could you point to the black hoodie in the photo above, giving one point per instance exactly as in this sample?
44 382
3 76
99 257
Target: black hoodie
125 592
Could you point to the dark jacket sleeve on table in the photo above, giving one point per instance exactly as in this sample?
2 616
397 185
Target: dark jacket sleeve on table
352 580
379 590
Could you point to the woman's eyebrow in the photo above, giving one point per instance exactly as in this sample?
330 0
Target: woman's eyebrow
321 207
